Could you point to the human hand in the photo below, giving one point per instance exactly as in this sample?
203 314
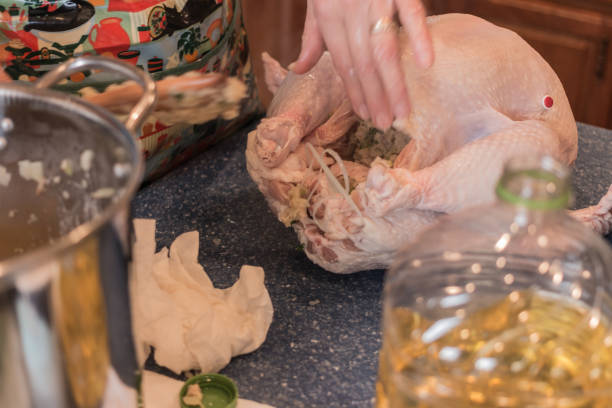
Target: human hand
362 40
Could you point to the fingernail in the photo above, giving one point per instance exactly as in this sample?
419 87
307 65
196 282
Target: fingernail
362 111
383 121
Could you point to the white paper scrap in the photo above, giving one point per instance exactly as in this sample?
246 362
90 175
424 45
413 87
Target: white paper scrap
177 310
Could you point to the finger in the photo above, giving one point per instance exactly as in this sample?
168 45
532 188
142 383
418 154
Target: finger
365 66
312 43
334 33
413 17
385 50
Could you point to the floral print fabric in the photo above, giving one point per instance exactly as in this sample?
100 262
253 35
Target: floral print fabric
163 37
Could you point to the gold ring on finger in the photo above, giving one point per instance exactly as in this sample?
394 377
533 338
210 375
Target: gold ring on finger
384 25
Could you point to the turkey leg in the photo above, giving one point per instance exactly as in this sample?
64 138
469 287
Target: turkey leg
297 109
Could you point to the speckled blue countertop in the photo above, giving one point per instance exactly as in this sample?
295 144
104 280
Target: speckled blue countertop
322 347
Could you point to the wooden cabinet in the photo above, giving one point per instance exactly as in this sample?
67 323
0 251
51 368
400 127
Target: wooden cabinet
574 36
274 26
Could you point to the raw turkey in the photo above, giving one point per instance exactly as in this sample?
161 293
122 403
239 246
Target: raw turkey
488 97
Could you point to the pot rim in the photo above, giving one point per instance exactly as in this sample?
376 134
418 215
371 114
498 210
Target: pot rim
14 266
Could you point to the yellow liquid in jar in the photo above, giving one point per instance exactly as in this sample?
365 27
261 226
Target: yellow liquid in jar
530 349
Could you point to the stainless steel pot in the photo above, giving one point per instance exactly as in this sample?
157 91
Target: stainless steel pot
68 171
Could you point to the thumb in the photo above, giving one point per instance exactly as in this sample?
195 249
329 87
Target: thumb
312 44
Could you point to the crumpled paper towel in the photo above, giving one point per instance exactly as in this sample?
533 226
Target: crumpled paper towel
159 391
176 309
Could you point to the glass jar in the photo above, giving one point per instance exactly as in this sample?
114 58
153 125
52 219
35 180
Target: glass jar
505 305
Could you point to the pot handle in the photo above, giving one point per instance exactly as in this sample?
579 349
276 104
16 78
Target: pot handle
140 111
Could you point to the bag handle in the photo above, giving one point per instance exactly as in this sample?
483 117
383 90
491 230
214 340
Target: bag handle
142 108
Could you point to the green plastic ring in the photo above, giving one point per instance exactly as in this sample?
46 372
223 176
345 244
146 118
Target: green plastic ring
218 391
554 203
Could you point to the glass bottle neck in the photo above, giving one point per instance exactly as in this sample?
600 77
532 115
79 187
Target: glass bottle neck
538 184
